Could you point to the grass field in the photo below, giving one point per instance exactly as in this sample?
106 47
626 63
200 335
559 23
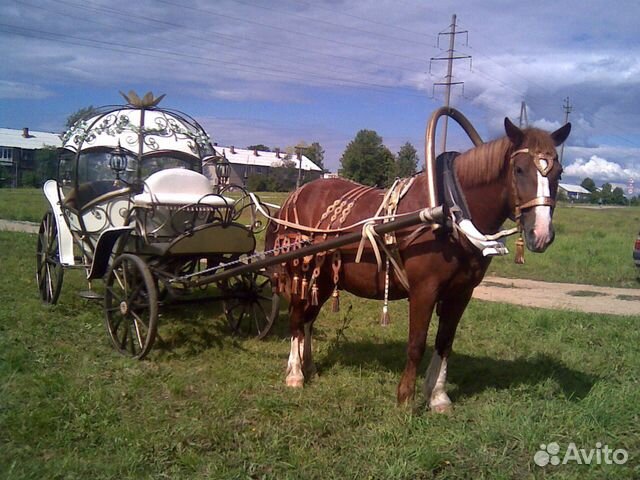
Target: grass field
208 405
592 245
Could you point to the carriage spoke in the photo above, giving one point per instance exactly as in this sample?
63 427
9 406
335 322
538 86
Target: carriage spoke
49 283
125 335
116 324
139 334
132 345
256 318
140 321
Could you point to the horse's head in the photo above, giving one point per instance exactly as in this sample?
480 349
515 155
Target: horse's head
535 172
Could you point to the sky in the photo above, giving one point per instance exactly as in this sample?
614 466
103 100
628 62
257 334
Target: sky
279 72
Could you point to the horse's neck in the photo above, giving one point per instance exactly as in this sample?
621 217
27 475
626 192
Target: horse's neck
488 205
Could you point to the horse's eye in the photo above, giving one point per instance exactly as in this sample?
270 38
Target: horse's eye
519 170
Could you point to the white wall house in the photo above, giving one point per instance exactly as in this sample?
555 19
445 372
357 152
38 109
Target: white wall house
245 163
574 192
17 151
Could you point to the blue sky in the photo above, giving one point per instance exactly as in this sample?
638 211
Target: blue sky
278 72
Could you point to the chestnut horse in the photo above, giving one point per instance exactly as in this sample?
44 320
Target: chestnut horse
517 173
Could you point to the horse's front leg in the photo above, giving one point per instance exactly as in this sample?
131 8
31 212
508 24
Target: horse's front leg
420 310
294 375
450 312
300 364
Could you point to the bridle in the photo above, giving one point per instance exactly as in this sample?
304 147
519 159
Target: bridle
544 166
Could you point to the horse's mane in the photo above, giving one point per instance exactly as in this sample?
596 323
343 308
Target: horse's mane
487 162
483 163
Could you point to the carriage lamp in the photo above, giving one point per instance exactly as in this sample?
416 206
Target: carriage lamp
222 170
118 161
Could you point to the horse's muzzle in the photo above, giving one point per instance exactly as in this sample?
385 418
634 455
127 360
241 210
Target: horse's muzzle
537 241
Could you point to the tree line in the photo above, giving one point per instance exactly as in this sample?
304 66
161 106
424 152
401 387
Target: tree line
606 194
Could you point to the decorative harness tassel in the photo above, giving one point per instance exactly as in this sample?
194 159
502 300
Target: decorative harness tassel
295 285
335 303
519 258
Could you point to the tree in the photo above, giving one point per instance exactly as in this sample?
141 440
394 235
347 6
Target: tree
259 147
588 184
315 153
366 160
617 196
85 112
606 193
406 161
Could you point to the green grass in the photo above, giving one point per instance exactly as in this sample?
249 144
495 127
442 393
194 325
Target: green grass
592 246
25 204
213 406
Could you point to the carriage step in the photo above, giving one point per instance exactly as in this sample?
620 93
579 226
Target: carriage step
91 295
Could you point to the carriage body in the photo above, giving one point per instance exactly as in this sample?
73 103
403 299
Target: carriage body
131 203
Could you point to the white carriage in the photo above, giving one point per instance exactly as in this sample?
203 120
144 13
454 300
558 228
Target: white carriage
131 206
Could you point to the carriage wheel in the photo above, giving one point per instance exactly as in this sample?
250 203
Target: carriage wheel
250 305
49 270
131 306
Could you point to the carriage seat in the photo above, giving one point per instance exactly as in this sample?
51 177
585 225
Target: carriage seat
179 187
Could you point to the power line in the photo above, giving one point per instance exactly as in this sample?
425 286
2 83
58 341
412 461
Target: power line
375 22
318 20
296 32
160 53
131 19
233 38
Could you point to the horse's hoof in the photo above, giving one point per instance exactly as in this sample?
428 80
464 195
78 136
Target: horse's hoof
442 408
295 382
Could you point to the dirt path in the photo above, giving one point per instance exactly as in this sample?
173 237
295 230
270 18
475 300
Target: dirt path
529 293
560 296
15 226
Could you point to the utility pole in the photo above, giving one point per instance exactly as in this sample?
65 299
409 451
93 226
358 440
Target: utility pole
567 110
300 149
449 77
524 120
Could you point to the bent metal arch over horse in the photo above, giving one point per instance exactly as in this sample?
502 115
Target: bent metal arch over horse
513 177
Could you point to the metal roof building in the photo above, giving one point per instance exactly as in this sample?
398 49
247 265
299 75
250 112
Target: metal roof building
245 163
17 151
574 192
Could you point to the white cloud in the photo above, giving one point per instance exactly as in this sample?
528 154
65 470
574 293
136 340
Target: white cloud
600 169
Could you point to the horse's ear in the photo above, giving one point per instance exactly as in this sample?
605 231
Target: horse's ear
514 133
560 135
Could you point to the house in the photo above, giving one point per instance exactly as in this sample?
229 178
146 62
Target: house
574 192
245 163
17 152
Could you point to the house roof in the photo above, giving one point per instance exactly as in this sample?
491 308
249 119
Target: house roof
34 140
567 187
242 156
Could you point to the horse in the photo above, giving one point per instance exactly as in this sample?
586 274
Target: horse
513 177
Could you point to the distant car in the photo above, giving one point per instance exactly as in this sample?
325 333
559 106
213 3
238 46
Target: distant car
636 251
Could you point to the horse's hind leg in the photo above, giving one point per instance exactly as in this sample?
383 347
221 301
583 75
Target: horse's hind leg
450 312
